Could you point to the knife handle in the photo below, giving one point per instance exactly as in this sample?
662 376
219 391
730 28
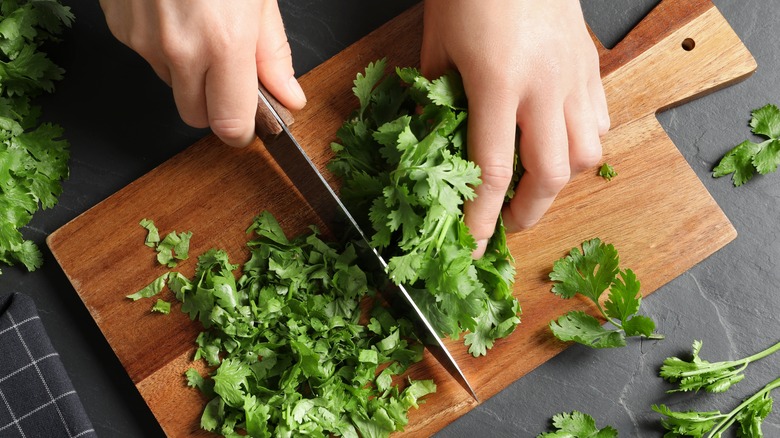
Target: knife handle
266 124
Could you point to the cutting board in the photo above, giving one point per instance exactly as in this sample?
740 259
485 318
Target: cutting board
656 211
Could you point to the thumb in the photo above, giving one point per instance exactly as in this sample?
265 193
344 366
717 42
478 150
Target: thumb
274 60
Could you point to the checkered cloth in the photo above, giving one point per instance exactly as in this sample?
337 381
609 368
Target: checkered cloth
37 398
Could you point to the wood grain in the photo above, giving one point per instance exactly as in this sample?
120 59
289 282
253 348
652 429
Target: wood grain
656 211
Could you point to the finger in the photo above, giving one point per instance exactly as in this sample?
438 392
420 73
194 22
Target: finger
544 152
582 132
189 94
598 101
274 60
491 139
231 97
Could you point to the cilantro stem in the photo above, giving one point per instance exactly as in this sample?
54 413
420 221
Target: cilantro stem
734 363
731 417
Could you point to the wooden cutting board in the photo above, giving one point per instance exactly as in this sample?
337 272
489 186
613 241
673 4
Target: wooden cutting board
656 211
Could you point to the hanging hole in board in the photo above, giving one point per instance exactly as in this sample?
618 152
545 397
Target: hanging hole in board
688 44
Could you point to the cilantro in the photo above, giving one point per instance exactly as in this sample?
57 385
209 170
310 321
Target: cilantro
151 290
577 425
173 247
162 306
33 157
749 416
406 176
712 377
288 351
748 157
590 273
607 172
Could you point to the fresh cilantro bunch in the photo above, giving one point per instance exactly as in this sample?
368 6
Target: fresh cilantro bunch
402 159
699 374
577 425
590 273
748 157
33 157
288 351
748 416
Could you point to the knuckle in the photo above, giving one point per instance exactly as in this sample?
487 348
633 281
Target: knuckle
496 176
231 130
551 181
584 158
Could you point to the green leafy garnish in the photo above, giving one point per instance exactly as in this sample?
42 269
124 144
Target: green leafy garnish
152 235
577 425
748 157
288 352
175 246
152 289
749 416
699 374
590 273
405 177
33 157
607 172
162 306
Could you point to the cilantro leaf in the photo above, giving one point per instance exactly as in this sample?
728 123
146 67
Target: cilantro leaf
162 306
153 235
33 157
749 415
607 172
577 425
154 288
748 157
699 374
406 176
585 329
590 273
285 340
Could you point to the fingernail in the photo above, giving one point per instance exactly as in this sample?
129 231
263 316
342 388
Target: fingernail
295 87
480 251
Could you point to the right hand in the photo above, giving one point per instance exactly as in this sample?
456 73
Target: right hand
212 55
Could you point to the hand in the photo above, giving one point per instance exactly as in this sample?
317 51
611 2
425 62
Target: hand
212 54
529 64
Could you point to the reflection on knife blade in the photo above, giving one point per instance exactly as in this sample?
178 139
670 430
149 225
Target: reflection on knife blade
271 125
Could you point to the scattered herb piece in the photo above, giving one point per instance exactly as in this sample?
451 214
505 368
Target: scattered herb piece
152 289
712 377
33 156
173 247
152 235
577 425
162 306
607 172
405 176
590 273
748 157
287 350
749 416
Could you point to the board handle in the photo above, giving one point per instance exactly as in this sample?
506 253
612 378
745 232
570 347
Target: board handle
266 123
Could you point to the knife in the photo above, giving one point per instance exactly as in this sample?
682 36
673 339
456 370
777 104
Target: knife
271 125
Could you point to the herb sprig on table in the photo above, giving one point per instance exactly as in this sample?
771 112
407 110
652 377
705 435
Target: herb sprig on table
33 157
590 273
402 159
749 158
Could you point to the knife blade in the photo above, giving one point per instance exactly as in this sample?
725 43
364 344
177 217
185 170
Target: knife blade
271 125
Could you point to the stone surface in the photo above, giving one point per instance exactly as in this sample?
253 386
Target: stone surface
122 122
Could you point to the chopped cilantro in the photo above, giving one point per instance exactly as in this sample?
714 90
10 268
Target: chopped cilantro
590 273
173 247
577 425
162 306
406 176
152 289
747 158
33 157
152 235
607 172
288 353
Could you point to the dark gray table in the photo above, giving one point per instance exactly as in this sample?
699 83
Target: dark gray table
121 122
